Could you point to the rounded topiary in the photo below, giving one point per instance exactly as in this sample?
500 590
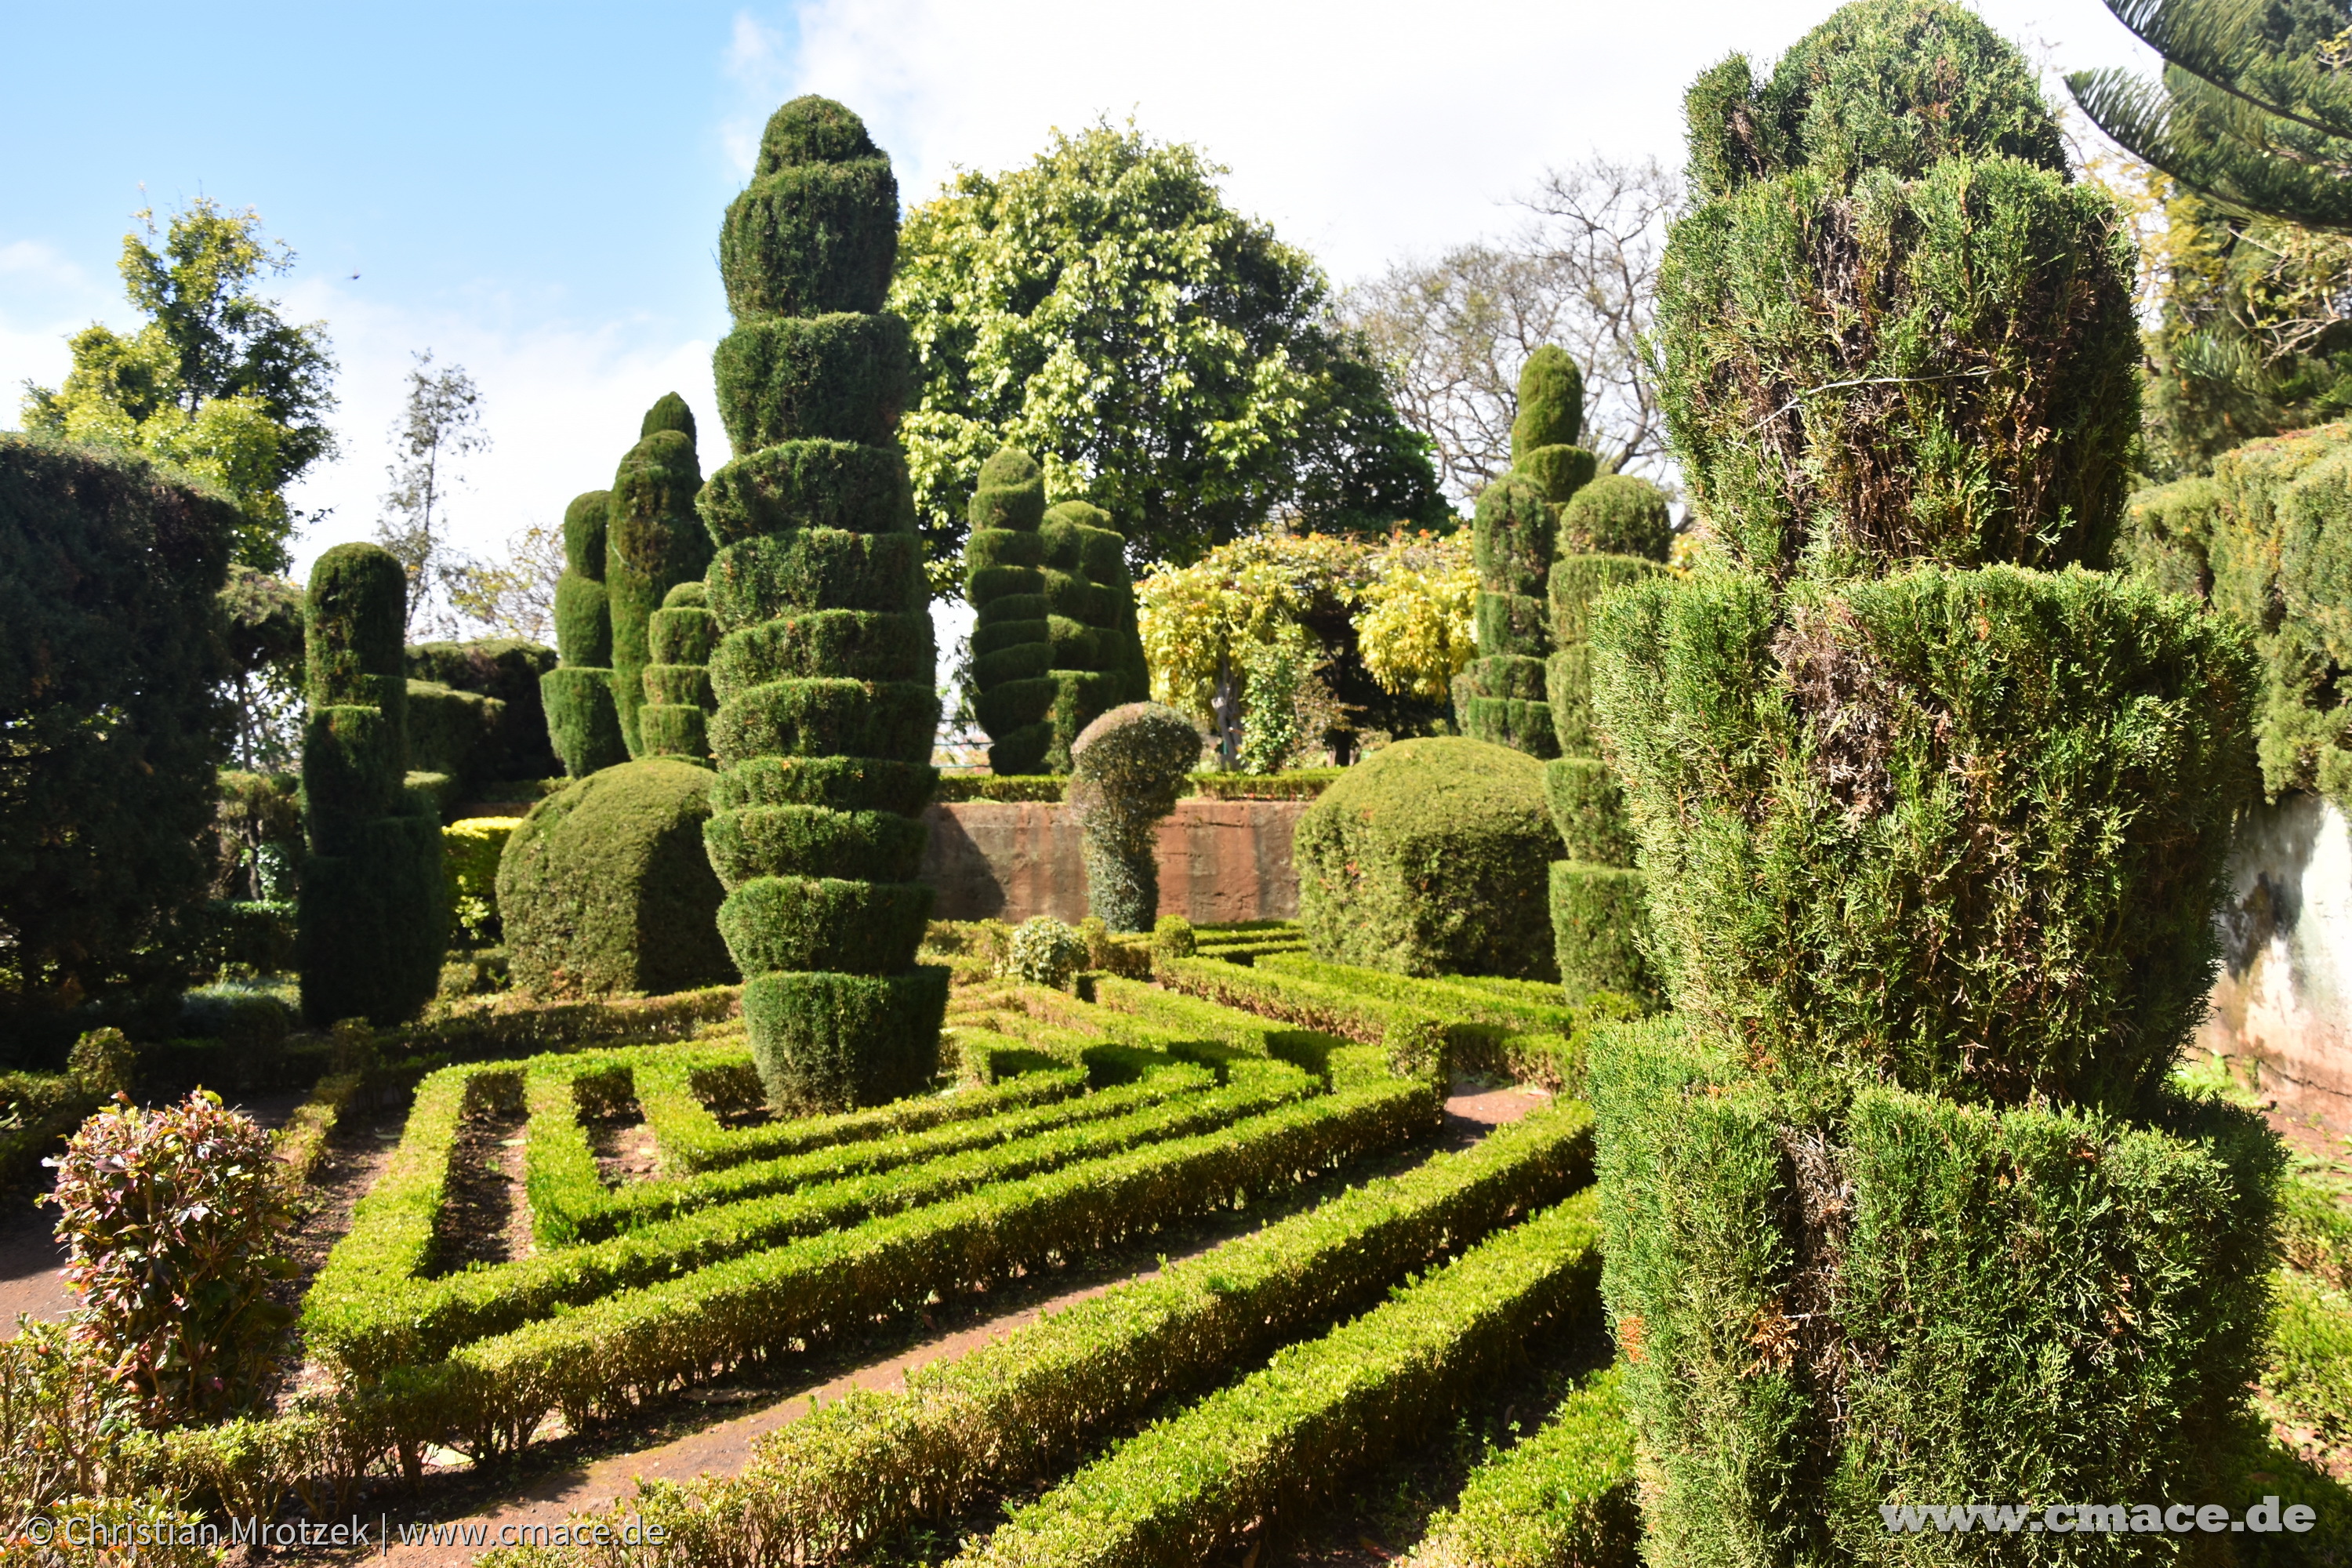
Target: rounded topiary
1551 403
1617 514
606 887
583 722
653 541
1044 951
1127 767
1428 857
1012 642
824 669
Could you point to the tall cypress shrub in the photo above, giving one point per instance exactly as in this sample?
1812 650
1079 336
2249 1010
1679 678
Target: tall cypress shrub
1899 1206
1012 638
1612 531
653 541
1090 623
375 915
676 719
823 672
583 722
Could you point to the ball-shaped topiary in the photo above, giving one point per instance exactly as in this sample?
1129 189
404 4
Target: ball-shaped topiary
1044 951
606 887
1428 857
1617 514
1127 769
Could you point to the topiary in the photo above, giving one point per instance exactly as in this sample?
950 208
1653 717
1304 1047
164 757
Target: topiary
1012 642
1128 768
506 668
1427 857
1044 951
1172 937
676 719
170 1220
653 541
1090 623
103 1063
374 911
1934 832
583 722
824 674
606 887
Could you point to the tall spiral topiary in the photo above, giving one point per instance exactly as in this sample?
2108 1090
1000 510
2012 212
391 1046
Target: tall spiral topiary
676 719
583 722
653 541
374 915
1899 1206
1612 531
1090 623
824 668
1011 640
1128 768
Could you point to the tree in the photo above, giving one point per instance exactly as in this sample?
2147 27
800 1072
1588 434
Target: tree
2252 111
1164 357
441 424
262 618
514 595
217 382
1453 334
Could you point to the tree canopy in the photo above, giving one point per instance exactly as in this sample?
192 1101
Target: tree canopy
1166 358
217 382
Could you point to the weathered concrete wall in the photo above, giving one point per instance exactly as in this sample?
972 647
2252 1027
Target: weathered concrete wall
1220 860
2285 997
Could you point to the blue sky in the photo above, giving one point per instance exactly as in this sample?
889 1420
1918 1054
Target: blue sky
532 190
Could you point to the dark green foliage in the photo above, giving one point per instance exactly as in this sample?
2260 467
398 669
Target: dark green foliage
583 622
1552 404
506 668
808 484
584 724
796 378
825 660
1011 494
1498 698
1127 767
585 522
374 911
682 635
2096 1360
1514 621
604 888
451 731
1013 651
1617 514
653 541
1512 542
1578 582
845 1039
1589 808
1599 916
108 570
1427 857
1559 472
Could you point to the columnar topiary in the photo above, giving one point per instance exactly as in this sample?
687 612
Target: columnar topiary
1612 531
1899 1206
375 915
676 719
1011 641
1090 621
653 541
583 723
823 673
1127 769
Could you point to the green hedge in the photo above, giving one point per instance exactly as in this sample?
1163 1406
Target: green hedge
1012 649
823 1039
811 568
807 484
583 719
857 645
810 841
583 722
1600 916
817 228
1563 1497
840 377
507 670
1185 1488
888 720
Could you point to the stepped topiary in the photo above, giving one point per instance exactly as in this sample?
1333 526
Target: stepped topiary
1427 857
1612 531
1090 621
1011 639
374 912
824 671
1501 696
508 670
606 887
676 719
1899 1206
653 541
583 722
1128 768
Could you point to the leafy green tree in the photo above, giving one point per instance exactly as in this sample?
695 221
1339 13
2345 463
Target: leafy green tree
1164 357
217 382
439 425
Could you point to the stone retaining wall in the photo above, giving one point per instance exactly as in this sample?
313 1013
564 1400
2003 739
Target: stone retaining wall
1219 861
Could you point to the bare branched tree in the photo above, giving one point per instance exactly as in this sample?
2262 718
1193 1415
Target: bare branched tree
1580 272
440 425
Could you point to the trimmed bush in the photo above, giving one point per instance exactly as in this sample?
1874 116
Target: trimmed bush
451 732
508 670
374 905
606 887
584 720
1617 514
681 637
1098 660
1428 857
653 543
822 712
1002 556
1128 768
1562 1498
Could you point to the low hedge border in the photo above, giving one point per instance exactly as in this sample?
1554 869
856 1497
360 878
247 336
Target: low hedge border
856 1472
301 1143
1527 1005
1182 1490
608 1355
1562 1498
503 1030
1302 784
389 1317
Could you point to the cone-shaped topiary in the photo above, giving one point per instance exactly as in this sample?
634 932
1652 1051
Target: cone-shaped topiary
1012 642
653 541
1128 768
1899 1206
824 668
374 915
1612 531
1090 623
583 722
676 719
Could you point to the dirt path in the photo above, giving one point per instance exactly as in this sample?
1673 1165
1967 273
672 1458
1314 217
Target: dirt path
724 1447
